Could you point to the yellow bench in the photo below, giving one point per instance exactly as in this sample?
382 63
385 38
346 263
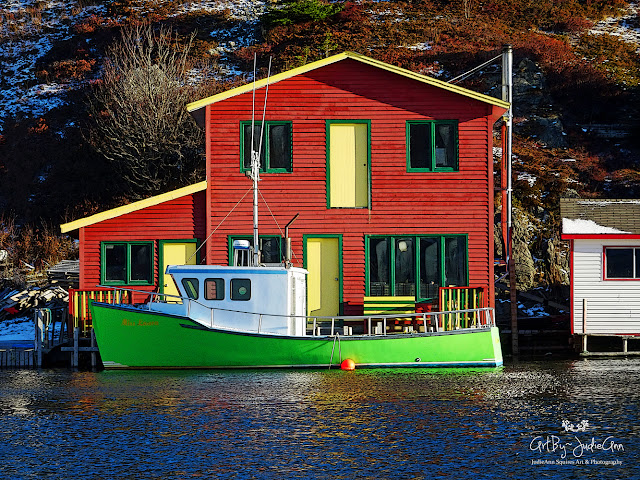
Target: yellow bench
391 306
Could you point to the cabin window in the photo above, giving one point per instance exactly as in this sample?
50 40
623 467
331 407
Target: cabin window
275 155
415 265
622 263
270 247
432 146
191 287
240 289
214 289
126 263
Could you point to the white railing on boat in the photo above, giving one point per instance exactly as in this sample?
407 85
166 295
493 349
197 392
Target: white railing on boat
373 324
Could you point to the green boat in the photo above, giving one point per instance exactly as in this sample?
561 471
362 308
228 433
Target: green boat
252 317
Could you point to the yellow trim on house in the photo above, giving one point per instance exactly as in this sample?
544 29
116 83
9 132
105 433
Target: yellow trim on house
336 58
133 207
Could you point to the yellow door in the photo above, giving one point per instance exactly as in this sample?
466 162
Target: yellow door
175 253
348 172
323 281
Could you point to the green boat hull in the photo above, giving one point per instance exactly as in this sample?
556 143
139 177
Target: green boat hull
132 338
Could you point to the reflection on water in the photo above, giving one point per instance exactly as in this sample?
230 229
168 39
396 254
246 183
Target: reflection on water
404 423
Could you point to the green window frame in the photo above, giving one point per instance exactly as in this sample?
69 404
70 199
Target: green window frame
275 250
415 265
277 146
127 263
432 146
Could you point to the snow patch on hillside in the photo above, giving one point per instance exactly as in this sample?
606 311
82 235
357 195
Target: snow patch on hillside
30 28
627 26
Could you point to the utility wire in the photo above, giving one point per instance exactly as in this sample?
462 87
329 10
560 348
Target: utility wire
473 70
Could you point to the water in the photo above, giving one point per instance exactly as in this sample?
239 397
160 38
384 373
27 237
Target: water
396 424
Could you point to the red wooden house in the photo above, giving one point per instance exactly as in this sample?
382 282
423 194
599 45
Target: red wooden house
390 171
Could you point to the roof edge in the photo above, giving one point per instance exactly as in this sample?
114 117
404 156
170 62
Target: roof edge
194 106
133 207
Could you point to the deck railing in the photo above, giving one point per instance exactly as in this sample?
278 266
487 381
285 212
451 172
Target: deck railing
464 306
79 314
372 324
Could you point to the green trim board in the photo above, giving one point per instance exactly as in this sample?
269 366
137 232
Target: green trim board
161 244
265 163
305 257
431 162
328 123
391 261
128 271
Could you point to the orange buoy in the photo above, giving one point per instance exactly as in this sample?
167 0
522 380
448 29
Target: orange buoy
348 364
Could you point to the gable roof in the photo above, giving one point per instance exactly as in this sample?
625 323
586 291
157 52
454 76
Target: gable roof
581 216
195 107
133 207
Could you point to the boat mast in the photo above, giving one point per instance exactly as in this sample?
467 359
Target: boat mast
255 158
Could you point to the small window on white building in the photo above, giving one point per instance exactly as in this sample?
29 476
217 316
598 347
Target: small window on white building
622 263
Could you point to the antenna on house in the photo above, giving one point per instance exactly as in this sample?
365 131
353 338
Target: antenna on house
507 95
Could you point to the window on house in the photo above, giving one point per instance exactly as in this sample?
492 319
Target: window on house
240 289
622 263
214 289
270 247
126 263
275 155
421 264
432 146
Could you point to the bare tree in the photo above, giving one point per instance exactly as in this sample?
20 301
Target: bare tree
141 124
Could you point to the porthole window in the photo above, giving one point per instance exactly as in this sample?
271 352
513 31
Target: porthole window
240 289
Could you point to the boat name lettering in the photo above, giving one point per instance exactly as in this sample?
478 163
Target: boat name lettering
141 323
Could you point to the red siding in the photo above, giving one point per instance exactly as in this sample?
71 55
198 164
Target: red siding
401 202
182 218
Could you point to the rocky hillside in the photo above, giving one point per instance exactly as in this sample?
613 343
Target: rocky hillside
576 98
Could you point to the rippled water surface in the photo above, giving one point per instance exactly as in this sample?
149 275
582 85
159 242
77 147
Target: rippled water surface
401 423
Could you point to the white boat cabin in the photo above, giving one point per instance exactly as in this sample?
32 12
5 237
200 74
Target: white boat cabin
264 299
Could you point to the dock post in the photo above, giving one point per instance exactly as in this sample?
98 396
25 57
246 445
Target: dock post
584 325
38 340
76 346
624 344
94 357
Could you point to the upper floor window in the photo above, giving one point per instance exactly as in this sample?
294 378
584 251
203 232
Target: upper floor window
432 146
126 263
622 263
275 155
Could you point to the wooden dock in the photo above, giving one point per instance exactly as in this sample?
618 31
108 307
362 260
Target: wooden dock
607 338
17 357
